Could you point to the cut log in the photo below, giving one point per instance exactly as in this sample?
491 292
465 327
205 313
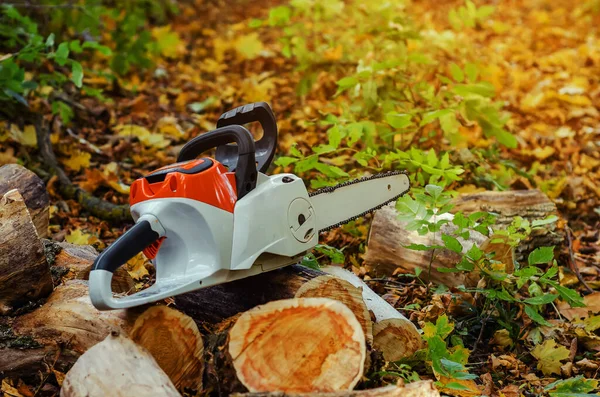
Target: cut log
394 335
293 345
386 252
216 304
175 343
117 367
77 261
66 325
423 388
342 291
24 273
529 204
33 190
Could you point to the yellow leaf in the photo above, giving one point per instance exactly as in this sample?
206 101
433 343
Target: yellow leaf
136 267
168 126
8 156
248 46
334 54
78 160
146 137
8 390
549 356
80 238
540 153
168 42
60 377
111 177
26 137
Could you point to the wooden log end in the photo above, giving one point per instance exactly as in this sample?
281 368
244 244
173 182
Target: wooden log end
298 345
175 343
117 366
340 290
396 338
423 388
33 190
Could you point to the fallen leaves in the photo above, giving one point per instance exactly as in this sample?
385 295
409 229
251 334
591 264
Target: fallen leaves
549 356
592 305
147 138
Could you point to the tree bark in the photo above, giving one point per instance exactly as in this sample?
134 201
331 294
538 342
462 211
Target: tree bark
76 261
293 345
117 366
24 273
394 335
529 204
424 388
386 252
33 190
63 328
175 343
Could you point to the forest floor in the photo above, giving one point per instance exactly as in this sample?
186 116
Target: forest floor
542 57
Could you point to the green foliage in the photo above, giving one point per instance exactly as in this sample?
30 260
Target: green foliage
469 15
34 51
445 361
572 387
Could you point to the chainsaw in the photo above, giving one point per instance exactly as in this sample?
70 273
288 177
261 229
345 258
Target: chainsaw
206 221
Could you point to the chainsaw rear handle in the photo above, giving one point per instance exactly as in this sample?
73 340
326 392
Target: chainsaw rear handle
146 231
244 153
265 146
134 241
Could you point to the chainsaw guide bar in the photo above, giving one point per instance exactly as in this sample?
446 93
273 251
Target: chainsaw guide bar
331 189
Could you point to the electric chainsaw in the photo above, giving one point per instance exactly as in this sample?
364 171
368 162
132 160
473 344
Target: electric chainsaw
206 221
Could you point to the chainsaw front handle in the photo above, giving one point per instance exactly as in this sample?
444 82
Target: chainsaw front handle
265 146
244 153
145 232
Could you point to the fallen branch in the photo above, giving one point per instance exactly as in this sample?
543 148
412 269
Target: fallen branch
97 207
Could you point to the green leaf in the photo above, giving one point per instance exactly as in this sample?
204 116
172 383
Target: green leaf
285 161
535 316
456 73
541 255
577 386
471 71
335 136
50 40
398 120
569 295
77 74
545 221
199 107
62 53
347 82
483 89
434 115
311 262
452 243
422 247
541 300
75 46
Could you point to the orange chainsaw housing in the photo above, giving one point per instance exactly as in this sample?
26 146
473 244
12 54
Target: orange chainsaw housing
211 184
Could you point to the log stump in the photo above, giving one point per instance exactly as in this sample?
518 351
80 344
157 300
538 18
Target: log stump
118 367
175 343
33 190
24 273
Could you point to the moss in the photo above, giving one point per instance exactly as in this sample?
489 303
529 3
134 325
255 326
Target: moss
9 340
51 250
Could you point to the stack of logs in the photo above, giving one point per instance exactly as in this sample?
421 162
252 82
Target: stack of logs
294 330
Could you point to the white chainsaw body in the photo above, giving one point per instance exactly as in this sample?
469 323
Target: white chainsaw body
206 245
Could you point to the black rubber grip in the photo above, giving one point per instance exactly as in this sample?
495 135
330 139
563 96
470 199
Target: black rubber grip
265 146
134 241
